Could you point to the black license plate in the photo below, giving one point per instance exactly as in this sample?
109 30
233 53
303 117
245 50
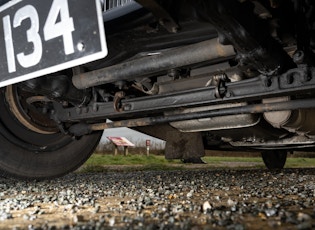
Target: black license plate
40 37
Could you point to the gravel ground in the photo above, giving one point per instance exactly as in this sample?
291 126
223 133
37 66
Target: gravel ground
187 199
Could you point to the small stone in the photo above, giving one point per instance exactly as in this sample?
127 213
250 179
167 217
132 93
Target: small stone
78 218
303 217
206 207
190 194
6 216
97 209
26 217
231 203
262 216
111 221
270 212
32 217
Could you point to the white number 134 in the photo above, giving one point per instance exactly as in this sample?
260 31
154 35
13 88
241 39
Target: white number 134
52 29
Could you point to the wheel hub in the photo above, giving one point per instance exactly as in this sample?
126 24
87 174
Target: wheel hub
30 110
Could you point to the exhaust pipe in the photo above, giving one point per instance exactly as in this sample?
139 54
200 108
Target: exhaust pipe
169 59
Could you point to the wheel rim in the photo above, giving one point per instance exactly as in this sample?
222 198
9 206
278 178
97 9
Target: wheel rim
27 113
23 124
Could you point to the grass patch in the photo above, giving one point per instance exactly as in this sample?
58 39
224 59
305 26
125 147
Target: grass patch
231 159
97 159
300 162
105 163
290 163
92 169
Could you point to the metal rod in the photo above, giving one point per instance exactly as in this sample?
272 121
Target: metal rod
249 109
169 59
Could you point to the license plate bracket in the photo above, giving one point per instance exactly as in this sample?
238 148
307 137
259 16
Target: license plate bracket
42 37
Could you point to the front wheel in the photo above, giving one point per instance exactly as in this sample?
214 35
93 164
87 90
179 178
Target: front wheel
31 146
274 159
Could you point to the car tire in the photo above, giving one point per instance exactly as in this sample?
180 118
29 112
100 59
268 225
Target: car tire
274 159
35 149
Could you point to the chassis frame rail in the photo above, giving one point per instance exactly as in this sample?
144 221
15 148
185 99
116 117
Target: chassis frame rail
299 81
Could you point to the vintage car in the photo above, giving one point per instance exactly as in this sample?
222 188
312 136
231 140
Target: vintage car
199 74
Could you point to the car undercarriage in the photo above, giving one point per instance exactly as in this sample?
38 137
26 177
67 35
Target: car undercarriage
219 74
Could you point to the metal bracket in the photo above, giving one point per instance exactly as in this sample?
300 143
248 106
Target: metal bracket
220 85
117 101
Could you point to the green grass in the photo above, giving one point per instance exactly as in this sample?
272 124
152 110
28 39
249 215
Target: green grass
97 159
231 159
290 163
300 162
98 162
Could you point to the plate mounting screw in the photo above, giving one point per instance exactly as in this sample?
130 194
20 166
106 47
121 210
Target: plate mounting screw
81 46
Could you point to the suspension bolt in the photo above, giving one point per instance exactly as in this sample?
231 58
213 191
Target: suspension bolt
127 107
228 94
95 108
268 82
298 57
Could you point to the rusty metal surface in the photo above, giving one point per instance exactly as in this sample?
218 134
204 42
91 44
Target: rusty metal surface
169 59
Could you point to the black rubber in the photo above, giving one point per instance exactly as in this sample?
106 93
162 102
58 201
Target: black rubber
274 159
25 154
